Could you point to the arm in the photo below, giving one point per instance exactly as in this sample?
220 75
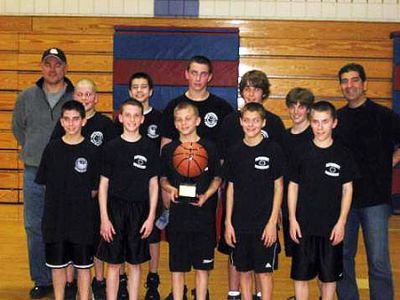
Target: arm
18 121
337 233
106 228
230 236
214 185
171 191
396 157
295 232
269 234
153 198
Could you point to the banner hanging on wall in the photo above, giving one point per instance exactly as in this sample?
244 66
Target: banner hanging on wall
163 53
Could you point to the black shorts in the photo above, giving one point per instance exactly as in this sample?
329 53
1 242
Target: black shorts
187 249
60 255
250 254
127 245
314 256
155 236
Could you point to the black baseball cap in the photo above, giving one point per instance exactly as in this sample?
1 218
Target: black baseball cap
56 52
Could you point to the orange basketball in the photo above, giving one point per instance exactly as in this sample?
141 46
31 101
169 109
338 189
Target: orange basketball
190 159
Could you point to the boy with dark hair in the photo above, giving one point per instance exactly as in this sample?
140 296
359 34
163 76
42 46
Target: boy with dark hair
191 228
254 87
254 169
128 195
298 102
319 200
212 109
69 171
98 129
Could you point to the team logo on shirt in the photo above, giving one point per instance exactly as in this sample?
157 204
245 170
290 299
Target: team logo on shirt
264 133
96 138
332 169
211 119
81 165
261 163
152 131
139 161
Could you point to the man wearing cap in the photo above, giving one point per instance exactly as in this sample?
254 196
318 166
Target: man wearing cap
36 112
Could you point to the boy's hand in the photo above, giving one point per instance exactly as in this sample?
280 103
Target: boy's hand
147 228
295 232
269 234
201 200
230 236
173 194
337 234
107 231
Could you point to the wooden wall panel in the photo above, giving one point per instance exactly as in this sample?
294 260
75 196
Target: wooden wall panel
292 53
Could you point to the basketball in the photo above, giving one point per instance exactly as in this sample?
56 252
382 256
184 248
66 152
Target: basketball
190 159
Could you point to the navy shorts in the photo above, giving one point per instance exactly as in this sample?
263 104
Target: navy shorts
250 254
61 254
127 217
314 256
187 249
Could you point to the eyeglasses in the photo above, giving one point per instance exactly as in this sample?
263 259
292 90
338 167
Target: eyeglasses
86 95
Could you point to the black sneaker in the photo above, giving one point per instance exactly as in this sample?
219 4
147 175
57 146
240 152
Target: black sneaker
40 291
70 290
194 294
238 297
171 296
152 282
122 289
99 289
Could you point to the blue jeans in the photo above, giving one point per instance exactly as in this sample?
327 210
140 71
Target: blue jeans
374 225
33 213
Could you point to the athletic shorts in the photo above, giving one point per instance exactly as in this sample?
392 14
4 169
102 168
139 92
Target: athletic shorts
127 245
316 256
60 255
155 236
250 254
187 249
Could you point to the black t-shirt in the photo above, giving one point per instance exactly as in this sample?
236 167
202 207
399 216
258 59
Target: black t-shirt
253 171
232 132
184 216
129 166
212 112
370 133
70 173
320 174
98 129
150 127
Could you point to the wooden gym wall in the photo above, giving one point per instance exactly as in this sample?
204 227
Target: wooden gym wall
292 53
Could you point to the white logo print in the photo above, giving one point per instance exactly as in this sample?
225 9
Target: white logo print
332 169
264 133
139 161
211 119
268 265
96 138
207 261
261 163
81 165
152 131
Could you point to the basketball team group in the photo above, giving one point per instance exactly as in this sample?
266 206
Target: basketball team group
101 191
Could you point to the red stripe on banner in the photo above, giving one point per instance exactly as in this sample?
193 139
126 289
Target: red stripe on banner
396 78
171 73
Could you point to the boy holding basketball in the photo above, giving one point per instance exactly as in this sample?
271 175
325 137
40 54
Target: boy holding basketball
254 169
192 191
128 195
